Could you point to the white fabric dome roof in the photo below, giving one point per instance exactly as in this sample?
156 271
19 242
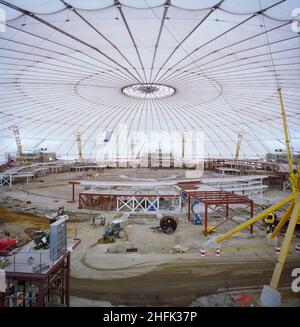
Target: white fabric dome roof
63 66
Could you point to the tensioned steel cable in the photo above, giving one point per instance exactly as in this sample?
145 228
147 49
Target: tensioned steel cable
172 109
87 119
63 101
272 60
119 7
220 49
141 109
166 7
186 106
213 116
218 69
269 46
60 53
215 7
230 104
64 46
223 74
207 69
117 118
217 37
30 14
245 58
84 130
267 117
28 68
70 7
236 52
61 117
152 114
195 116
31 49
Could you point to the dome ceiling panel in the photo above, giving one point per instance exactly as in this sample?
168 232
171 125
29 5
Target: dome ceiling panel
64 70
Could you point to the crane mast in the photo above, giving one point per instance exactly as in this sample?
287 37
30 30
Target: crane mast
17 137
238 145
79 146
291 216
293 175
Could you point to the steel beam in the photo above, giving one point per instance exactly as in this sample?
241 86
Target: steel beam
285 246
283 220
68 280
256 218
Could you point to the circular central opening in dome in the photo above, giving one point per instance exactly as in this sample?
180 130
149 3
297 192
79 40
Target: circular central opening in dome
148 91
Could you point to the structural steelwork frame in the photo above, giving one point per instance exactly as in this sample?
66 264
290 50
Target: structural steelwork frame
96 201
131 202
210 198
62 268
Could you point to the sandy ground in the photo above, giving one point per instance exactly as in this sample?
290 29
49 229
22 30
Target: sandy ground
181 282
105 274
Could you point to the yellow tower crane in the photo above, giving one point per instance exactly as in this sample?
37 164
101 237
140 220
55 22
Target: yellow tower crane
291 214
183 148
17 137
79 146
238 145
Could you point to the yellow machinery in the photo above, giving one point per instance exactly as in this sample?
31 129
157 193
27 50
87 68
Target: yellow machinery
270 219
78 140
291 215
238 145
17 137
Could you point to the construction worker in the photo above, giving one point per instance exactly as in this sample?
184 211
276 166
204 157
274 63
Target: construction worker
61 211
270 222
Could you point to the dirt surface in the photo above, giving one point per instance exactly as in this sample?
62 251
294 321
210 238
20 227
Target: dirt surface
105 273
7 216
20 224
180 283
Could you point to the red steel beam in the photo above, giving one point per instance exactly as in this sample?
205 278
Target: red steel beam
154 195
205 221
209 198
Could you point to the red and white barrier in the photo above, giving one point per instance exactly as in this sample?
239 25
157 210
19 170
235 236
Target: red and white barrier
277 249
202 252
217 252
297 249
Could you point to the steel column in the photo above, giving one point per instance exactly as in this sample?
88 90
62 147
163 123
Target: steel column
251 216
80 202
189 208
40 299
68 280
205 221
283 220
73 193
285 246
256 218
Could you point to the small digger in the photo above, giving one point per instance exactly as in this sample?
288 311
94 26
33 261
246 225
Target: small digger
113 230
